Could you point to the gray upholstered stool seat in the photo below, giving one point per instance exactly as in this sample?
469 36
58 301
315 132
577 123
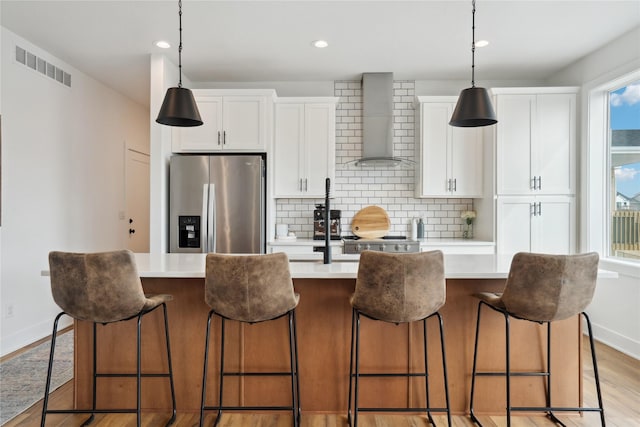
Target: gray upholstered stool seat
397 288
104 288
542 288
250 289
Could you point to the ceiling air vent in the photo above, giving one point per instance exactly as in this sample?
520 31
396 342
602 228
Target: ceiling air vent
43 67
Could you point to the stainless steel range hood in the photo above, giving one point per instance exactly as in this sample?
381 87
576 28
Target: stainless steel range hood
377 124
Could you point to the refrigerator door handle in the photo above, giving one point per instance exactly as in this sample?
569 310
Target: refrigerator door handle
204 231
211 219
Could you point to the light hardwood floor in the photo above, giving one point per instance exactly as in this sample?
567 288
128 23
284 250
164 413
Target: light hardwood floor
619 376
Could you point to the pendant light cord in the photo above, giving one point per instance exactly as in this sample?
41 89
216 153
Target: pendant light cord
473 43
180 45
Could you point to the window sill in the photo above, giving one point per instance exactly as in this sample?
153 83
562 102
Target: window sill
626 268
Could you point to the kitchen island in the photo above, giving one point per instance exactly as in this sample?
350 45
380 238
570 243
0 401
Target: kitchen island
324 328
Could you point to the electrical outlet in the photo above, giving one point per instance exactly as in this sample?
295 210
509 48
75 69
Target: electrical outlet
8 311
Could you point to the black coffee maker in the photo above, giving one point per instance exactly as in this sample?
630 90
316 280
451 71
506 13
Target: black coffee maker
318 223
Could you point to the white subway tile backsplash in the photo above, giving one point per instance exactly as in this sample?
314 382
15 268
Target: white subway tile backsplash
390 189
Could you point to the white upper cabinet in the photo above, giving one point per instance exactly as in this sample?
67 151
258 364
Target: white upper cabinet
449 158
234 120
535 141
304 148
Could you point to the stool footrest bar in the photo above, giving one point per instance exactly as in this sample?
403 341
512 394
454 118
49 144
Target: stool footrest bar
419 374
548 409
512 374
256 374
360 409
130 375
91 411
248 408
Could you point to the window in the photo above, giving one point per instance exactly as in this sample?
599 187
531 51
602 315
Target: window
624 161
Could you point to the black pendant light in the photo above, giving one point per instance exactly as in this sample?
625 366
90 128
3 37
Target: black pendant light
474 107
179 108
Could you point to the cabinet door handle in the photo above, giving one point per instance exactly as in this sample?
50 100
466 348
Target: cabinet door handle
532 209
449 185
539 208
455 184
533 183
305 185
540 183
218 137
300 184
224 137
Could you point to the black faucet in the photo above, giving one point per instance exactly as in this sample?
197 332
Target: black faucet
327 224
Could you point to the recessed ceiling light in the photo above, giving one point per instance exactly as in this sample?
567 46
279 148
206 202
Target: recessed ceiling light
320 43
162 44
482 43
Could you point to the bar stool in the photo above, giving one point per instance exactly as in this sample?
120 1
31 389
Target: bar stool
104 288
250 289
542 288
397 288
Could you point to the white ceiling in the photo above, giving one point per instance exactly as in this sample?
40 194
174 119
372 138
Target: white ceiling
239 40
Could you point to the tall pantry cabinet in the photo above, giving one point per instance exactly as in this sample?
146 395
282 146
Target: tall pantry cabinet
536 169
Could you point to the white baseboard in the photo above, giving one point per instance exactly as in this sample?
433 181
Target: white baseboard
615 340
27 336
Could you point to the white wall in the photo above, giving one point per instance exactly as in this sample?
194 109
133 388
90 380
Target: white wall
63 152
615 310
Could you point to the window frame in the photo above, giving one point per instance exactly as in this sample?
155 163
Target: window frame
596 177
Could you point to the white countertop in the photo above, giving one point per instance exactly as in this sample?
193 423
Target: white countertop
193 265
456 267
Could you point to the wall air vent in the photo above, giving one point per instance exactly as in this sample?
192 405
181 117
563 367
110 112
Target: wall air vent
43 67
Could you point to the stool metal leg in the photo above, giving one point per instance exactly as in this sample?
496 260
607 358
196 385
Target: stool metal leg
138 375
205 369
550 413
353 319
426 370
47 386
95 376
221 373
297 368
292 362
173 393
508 368
357 372
473 371
595 369
444 367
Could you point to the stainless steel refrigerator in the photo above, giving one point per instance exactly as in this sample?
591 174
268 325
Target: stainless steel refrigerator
217 203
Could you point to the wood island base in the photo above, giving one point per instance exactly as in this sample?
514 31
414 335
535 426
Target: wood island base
324 333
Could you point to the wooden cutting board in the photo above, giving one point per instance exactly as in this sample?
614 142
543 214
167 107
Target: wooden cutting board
371 222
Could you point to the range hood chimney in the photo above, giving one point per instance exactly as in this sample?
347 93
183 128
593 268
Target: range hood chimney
377 123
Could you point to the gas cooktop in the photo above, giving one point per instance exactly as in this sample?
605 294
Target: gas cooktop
393 244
